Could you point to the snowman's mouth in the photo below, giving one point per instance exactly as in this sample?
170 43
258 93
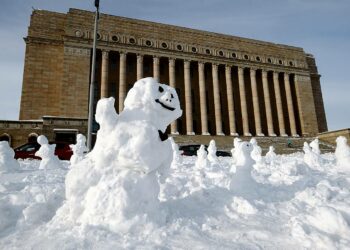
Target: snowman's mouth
165 106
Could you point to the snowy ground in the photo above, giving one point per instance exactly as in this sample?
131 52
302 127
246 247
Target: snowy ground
286 204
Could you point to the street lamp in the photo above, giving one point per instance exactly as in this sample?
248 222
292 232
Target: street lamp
92 83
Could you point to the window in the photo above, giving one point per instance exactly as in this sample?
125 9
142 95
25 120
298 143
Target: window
132 40
179 47
194 49
246 57
164 45
148 43
115 38
207 51
234 55
258 58
269 60
221 53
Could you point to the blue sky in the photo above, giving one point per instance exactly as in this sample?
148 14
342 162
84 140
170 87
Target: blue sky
321 27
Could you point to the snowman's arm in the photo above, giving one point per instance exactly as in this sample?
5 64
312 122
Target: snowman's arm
106 114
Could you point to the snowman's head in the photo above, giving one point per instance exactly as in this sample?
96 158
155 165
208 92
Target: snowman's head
157 101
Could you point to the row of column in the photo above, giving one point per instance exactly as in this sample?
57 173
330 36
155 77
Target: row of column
216 95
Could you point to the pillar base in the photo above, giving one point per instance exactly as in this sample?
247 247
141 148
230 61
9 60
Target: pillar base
190 133
205 133
220 134
174 133
273 135
296 135
247 134
284 135
234 134
260 134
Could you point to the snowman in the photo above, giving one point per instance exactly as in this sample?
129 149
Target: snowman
7 161
47 154
131 156
79 149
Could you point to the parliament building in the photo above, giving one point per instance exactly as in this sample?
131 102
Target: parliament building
227 85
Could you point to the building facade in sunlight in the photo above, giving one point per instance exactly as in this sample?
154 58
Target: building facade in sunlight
227 85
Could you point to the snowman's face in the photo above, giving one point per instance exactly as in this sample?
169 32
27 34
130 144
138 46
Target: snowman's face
158 100
246 147
165 98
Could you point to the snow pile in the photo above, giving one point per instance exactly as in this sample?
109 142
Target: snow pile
7 161
47 154
116 185
79 149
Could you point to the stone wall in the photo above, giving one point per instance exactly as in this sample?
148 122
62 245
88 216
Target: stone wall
20 131
331 136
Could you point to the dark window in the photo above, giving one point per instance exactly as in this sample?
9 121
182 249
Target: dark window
208 51
148 43
165 45
179 47
246 57
132 40
194 49
221 53
258 59
234 55
115 38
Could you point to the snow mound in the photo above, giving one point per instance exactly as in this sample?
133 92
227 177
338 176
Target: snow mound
116 186
7 161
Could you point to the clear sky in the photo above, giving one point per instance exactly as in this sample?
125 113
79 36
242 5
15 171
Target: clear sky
321 27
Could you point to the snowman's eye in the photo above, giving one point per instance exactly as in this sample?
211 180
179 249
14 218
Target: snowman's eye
160 89
172 96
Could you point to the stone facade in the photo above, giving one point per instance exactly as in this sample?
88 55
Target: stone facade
227 85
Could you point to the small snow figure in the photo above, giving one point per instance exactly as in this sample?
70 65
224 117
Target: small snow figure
79 149
256 153
47 154
177 159
243 155
315 146
202 160
270 156
312 159
236 143
213 159
242 178
7 161
342 153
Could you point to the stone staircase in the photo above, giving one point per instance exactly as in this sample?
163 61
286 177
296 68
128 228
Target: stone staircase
225 143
